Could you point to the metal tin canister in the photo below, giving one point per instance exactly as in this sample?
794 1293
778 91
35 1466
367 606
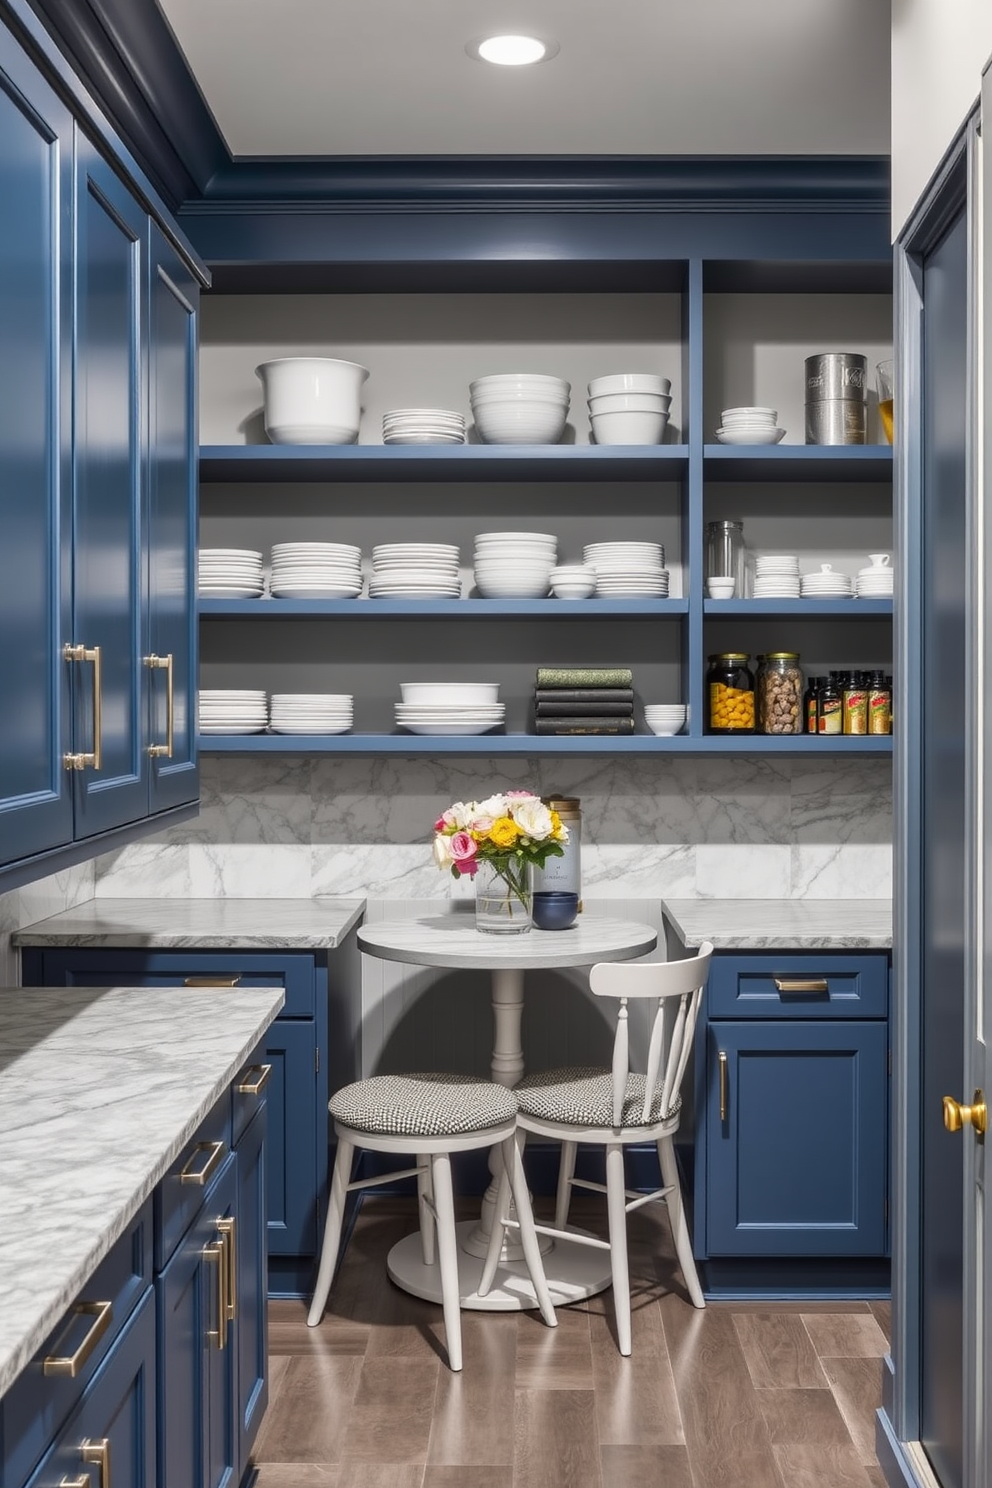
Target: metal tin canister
836 398
564 873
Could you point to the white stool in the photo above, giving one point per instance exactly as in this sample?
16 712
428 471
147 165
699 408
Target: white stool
428 1117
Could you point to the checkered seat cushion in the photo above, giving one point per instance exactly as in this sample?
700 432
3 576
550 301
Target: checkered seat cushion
422 1105
584 1097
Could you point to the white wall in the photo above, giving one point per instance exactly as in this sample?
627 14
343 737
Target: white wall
939 51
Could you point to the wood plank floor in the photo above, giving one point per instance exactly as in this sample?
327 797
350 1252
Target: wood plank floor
751 1395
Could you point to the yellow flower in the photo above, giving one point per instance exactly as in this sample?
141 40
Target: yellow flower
504 832
555 825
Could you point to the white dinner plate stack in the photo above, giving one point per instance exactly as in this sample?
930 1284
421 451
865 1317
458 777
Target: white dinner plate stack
316 570
232 710
749 426
876 582
628 569
415 571
423 426
776 576
311 712
826 584
229 573
514 565
449 707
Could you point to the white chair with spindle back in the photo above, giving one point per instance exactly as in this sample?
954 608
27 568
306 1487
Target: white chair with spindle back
613 1108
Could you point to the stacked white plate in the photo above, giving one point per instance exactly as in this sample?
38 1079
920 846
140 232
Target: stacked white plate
232 710
311 712
316 570
514 565
449 707
776 576
423 426
415 571
628 569
826 584
229 573
877 581
749 426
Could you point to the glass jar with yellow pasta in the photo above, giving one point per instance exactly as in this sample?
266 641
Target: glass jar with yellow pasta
729 694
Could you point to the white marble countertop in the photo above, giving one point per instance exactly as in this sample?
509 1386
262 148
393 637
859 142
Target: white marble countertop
780 924
219 924
99 1092
452 940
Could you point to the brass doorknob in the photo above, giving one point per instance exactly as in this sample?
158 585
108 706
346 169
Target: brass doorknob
956 1116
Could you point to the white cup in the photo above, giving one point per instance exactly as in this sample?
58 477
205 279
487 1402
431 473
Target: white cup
879 560
721 586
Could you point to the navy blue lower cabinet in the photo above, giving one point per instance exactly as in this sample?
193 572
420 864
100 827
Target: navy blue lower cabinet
796 1138
249 1259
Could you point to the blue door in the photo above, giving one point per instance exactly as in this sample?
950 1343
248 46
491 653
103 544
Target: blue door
35 447
109 702
170 648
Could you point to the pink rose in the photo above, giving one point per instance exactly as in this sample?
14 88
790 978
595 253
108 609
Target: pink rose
463 848
519 795
440 824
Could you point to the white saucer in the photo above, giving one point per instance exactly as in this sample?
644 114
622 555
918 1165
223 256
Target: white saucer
750 436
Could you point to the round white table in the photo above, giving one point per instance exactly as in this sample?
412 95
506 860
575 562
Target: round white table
451 940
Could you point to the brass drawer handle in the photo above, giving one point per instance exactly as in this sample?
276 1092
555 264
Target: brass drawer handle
83 1481
216 1253
95 758
214 981
801 984
248 1088
71 1364
724 1080
199 1176
98 1452
164 663
227 1228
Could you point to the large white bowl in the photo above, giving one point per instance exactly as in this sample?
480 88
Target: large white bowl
637 402
536 381
312 400
474 693
528 423
630 382
512 586
628 427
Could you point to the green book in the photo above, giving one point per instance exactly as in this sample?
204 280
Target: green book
584 725
585 677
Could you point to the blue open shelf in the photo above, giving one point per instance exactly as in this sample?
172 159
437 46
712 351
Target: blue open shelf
528 744
798 462
431 462
460 609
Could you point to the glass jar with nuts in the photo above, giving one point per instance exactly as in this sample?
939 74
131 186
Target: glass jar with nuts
780 694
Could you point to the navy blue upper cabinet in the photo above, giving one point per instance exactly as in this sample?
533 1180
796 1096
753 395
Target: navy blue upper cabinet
35 473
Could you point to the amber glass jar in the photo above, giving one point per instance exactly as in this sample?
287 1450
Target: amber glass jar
780 694
729 694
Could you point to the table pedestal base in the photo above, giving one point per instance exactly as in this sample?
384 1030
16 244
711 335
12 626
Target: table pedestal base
574 1271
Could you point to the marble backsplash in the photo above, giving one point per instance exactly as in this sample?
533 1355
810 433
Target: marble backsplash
36 902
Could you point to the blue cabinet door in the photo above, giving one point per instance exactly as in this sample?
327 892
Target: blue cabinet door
251 1277
170 647
35 457
297 1124
796 1138
111 248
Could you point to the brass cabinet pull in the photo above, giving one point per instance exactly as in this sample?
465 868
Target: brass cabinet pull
95 758
215 981
164 664
83 1481
199 1176
801 984
227 1228
71 1364
247 1087
216 1253
976 1115
724 1077
98 1452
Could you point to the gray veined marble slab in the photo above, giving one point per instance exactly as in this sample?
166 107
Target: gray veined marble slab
221 924
99 1092
779 924
453 940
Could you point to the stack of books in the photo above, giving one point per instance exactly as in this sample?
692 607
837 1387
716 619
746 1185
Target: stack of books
584 700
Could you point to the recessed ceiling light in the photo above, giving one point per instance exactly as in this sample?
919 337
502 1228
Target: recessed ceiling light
512 51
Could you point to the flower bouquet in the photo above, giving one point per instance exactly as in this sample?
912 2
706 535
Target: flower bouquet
497 842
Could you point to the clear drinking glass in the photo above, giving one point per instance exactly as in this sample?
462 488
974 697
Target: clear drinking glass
726 555
883 386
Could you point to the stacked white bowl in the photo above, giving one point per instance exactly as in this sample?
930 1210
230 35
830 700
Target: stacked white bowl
573 581
230 573
629 408
312 400
877 581
415 571
514 565
232 710
628 569
827 584
316 570
311 712
519 407
449 707
749 426
423 426
776 576
665 719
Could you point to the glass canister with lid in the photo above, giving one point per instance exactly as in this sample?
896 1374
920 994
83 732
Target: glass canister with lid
726 555
729 693
780 693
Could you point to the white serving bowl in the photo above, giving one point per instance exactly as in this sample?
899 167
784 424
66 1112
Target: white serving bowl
312 400
527 423
627 426
535 381
463 693
637 402
573 588
512 585
721 588
630 382
665 730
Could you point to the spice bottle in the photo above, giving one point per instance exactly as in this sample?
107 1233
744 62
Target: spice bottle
730 693
565 873
810 704
829 710
879 704
780 694
855 704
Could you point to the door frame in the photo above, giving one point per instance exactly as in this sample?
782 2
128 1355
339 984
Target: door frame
954 185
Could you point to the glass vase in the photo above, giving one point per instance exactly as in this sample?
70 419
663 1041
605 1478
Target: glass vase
503 897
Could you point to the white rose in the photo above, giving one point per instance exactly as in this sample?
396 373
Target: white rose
533 818
459 815
442 851
491 808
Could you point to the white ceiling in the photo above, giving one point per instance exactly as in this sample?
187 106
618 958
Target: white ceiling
633 77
